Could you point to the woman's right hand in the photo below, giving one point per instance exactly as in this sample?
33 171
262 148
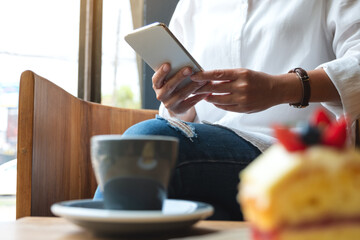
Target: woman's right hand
178 101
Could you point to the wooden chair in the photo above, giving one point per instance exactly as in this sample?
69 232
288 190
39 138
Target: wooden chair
53 143
357 134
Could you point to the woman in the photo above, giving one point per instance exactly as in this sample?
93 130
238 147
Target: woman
256 45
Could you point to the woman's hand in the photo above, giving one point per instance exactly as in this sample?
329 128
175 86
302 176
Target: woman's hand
247 91
178 101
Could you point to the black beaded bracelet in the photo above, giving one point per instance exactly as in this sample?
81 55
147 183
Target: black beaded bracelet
304 78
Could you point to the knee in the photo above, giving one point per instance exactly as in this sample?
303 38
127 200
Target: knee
150 127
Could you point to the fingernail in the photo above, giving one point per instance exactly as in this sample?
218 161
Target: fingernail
186 72
166 68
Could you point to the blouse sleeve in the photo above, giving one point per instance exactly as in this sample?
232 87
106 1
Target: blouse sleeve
343 26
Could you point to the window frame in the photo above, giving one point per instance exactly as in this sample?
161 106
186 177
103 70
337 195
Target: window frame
90 46
90 50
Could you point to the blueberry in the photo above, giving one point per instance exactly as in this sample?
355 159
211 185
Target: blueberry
310 135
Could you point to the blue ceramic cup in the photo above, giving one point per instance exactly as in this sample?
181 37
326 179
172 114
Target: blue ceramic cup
133 172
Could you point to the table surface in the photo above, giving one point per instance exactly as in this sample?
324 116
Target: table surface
55 228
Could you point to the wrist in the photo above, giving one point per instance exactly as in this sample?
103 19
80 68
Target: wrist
288 88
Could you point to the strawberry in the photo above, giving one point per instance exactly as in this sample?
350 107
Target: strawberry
335 134
290 140
320 118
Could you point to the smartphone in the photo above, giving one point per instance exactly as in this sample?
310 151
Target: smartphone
156 45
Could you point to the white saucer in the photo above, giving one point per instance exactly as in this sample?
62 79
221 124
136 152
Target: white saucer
90 214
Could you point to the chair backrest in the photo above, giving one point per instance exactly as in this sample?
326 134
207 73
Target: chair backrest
54 131
357 134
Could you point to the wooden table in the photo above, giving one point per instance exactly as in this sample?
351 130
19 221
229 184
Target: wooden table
54 228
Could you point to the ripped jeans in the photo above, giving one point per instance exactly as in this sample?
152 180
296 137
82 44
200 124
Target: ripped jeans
210 159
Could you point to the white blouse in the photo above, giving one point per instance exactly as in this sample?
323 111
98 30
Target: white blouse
273 36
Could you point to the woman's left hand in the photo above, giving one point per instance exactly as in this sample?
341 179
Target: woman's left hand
240 90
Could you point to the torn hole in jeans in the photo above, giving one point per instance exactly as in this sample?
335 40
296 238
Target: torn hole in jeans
179 125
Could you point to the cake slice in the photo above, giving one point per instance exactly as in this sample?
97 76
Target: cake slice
304 190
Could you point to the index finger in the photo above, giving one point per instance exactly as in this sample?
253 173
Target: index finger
160 75
214 75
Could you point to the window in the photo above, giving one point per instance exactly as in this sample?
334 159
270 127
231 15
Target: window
41 36
120 78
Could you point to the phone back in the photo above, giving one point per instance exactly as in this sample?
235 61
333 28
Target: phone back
157 45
